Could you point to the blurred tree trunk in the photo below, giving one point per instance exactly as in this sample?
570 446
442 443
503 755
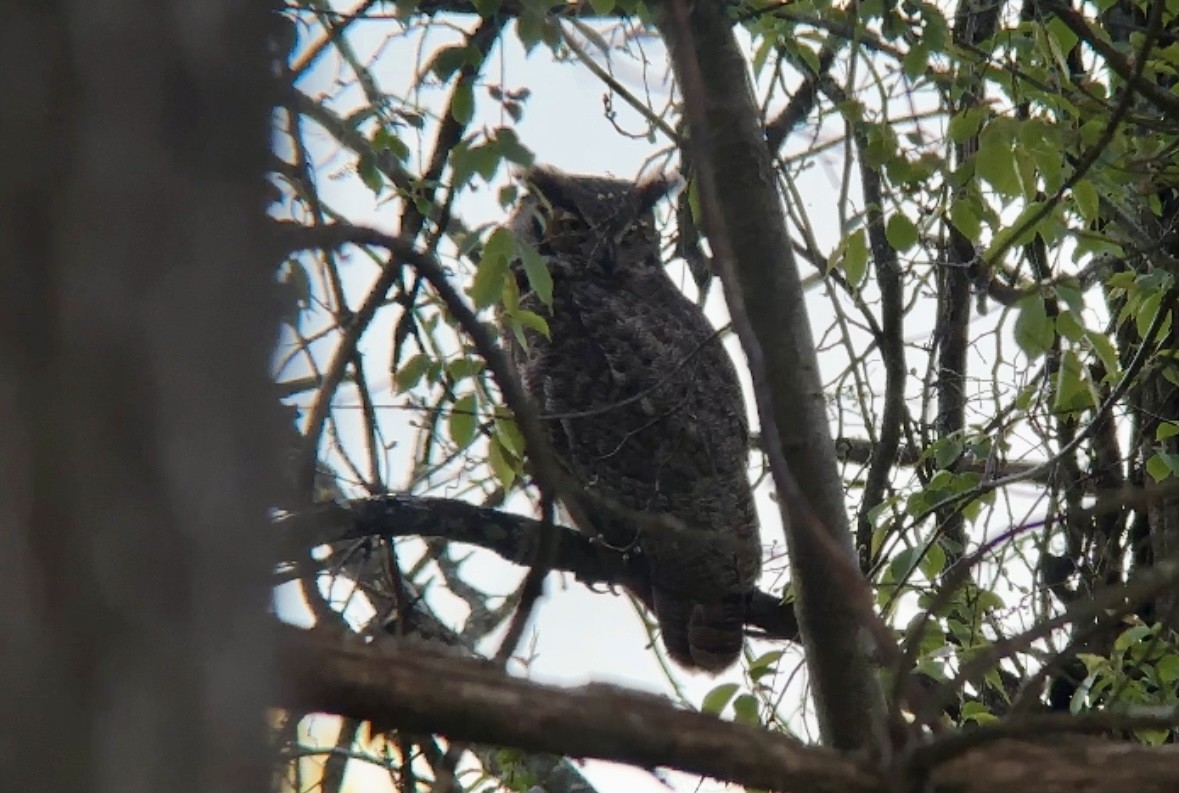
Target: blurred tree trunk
763 289
137 434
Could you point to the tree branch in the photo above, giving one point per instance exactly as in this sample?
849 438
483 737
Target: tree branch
420 689
513 537
748 233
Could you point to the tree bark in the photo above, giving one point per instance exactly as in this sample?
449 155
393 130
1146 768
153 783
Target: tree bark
421 688
762 284
137 428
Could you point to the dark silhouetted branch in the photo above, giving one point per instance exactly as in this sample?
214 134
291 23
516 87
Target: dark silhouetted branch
513 537
420 689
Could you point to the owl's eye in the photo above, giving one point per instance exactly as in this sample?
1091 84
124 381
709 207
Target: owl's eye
564 222
645 227
565 231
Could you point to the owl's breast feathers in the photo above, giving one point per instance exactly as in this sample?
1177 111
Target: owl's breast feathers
644 407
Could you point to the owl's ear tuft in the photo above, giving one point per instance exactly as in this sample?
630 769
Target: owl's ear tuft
547 182
653 189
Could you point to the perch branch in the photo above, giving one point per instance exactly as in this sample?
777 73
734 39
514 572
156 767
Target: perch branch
512 537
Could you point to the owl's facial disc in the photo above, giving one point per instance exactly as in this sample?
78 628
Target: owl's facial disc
562 231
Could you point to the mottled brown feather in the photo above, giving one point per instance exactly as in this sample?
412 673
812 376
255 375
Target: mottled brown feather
643 406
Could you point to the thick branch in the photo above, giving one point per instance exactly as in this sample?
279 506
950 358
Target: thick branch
1091 766
513 537
764 291
418 689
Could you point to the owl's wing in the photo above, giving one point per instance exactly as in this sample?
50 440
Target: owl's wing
661 352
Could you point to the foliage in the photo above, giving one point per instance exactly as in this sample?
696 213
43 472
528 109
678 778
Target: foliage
1012 167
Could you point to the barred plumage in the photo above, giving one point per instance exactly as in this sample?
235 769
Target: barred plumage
643 406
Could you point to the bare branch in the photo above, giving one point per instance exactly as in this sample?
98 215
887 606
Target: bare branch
513 537
398 684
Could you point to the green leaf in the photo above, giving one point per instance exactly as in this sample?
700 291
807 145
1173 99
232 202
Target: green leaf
1167 429
1091 131
1157 467
1033 328
902 565
486 8
1073 392
1104 349
994 161
1042 142
1163 464
1069 327
488 286
410 373
500 245
1155 737
1148 309
1085 195
745 710
1167 669
460 369
964 216
716 700
809 57
462 104
1132 635
509 435
764 664
1073 298
901 232
509 147
463 421
448 60
1081 695
988 601
916 60
1025 166
507 195
366 169
1019 232
536 267
933 562
882 145
500 463
529 27
978 713
521 319
386 140
1062 37
602 7
947 450
855 258
466 161
966 124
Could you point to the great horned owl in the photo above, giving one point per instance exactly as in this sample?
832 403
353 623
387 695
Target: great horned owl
642 405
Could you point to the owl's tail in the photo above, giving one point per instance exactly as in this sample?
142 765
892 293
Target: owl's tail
698 635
